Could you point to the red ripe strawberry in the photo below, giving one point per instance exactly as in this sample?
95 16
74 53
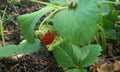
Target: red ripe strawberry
48 38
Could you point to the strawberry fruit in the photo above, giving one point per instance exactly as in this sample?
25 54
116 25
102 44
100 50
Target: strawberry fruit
48 37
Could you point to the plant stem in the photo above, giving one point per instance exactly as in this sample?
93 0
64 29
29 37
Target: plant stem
103 38
97 38
40 2
102 32
45 3
101 17
1 29
50 15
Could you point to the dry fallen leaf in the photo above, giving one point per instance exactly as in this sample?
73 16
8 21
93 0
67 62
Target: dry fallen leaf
107 67
117 66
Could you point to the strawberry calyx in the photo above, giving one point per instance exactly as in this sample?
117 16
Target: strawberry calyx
48 36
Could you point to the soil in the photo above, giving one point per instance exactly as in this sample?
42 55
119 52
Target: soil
42 61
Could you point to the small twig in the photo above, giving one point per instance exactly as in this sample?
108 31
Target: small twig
15 9
4 12
14 67
114 58
47 67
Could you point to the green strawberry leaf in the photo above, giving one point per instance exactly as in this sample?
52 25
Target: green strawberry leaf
111 34
27 48
23 48
76 70
109 22
105 9
94 52
27 22
78 24
9 50
71 56
64 55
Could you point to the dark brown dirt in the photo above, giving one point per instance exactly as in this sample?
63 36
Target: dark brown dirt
42 61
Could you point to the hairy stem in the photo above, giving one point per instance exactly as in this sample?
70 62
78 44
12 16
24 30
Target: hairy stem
2 34
51 14
103 38
102 32
45 3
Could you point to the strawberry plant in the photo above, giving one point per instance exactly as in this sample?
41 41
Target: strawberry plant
109 29
109 21
71 45
76 23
